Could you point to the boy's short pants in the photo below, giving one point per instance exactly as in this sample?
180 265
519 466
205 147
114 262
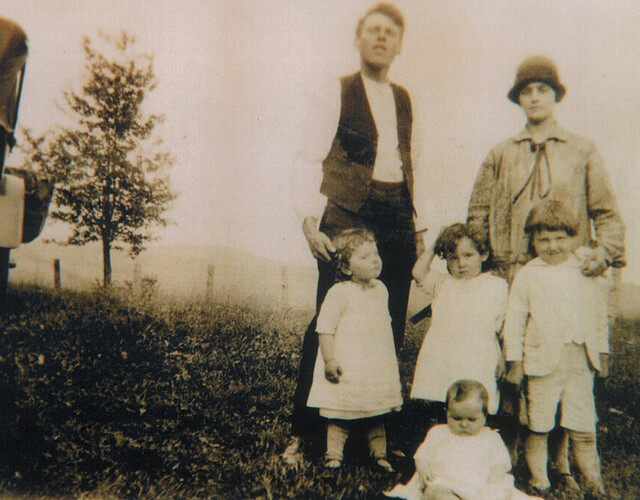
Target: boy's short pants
571 386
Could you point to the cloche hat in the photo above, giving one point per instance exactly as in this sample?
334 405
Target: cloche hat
537 69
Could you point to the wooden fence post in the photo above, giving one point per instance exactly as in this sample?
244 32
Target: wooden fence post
57 281
285 286
137 278
211 270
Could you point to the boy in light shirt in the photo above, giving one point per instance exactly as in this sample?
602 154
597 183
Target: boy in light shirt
556 333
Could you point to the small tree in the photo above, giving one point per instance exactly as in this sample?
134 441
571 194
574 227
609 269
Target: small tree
110 175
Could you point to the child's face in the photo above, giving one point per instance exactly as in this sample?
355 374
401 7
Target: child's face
553 247
365 263
466 418
465 262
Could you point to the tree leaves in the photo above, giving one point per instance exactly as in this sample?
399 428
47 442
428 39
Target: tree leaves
110 172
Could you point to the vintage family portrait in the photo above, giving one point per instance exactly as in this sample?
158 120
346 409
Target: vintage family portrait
339 249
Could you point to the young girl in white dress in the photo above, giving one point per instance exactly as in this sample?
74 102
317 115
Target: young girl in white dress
468 308
463 459
356 379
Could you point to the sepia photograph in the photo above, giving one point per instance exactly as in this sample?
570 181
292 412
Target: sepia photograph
337 249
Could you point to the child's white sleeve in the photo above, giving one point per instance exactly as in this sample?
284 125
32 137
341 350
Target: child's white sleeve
501 297
499 453
515 322
331 310
425 454
430 285
427 448
502 486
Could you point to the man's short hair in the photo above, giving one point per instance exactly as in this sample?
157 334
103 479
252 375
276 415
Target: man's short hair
389 10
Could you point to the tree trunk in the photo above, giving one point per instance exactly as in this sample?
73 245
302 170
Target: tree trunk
106 262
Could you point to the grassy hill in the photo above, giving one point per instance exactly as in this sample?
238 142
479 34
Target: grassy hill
104 396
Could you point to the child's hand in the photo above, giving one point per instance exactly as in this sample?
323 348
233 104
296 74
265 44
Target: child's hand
515 374
604 365
332 371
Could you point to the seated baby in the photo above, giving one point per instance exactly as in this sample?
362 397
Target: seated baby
462 459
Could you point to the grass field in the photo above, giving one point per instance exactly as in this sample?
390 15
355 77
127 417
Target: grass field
110 395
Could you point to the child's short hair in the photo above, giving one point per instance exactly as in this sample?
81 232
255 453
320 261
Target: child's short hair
346 242
551 215
389 10
448 239
462 390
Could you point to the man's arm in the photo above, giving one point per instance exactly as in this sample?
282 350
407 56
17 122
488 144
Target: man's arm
321 123
420 180
429 198
319 243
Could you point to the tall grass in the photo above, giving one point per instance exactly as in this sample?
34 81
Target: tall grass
121 395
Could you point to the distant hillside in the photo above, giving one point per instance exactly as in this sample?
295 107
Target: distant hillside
182 269
178 269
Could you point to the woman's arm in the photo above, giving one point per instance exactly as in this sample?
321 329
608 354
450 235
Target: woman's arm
480 201
603 210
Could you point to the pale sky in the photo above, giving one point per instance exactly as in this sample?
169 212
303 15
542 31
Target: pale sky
233 76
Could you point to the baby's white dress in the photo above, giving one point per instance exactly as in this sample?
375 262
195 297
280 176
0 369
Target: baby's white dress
462 464
364 349
462 341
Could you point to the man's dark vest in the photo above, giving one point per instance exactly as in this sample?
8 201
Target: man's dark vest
348 168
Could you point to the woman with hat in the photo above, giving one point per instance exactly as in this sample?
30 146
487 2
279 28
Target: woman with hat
544 161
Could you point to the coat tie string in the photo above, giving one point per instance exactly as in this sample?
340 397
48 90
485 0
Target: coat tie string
540 177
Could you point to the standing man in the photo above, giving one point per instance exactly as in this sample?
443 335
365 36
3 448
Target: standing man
360 142
544 161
